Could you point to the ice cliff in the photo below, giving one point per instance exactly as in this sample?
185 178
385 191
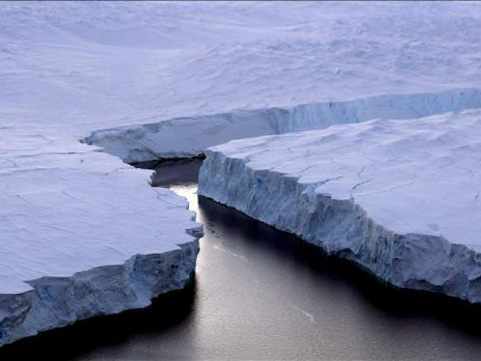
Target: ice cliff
190 136
400 198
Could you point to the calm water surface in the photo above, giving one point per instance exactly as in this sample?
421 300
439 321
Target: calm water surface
262 294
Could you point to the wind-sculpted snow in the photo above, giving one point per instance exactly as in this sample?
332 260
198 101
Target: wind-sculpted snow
190 136
400 198
82 234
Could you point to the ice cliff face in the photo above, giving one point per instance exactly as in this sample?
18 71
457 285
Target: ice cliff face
105 290
399 198
190 136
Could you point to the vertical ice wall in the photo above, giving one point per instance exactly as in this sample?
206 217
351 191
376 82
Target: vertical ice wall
399 198
190 136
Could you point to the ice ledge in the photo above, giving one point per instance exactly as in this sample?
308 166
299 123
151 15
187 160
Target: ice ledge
190 136
398 198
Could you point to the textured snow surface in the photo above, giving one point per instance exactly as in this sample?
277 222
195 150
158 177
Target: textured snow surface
401 198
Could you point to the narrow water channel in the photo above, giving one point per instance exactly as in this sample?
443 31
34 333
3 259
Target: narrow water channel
260 294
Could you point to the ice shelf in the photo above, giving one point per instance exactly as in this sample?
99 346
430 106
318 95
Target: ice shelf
169 79
400 198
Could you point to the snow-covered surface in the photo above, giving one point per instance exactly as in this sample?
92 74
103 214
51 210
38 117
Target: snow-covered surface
399 197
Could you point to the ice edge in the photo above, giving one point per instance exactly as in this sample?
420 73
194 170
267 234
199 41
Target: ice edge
187 137
57 302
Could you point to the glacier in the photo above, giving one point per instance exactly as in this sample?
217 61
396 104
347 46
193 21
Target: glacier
399 198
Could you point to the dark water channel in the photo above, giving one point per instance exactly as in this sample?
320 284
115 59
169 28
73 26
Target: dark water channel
260 294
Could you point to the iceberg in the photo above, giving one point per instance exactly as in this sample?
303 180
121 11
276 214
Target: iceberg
399 198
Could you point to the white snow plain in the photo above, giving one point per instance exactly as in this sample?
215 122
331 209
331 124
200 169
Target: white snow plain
227 70
401 198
